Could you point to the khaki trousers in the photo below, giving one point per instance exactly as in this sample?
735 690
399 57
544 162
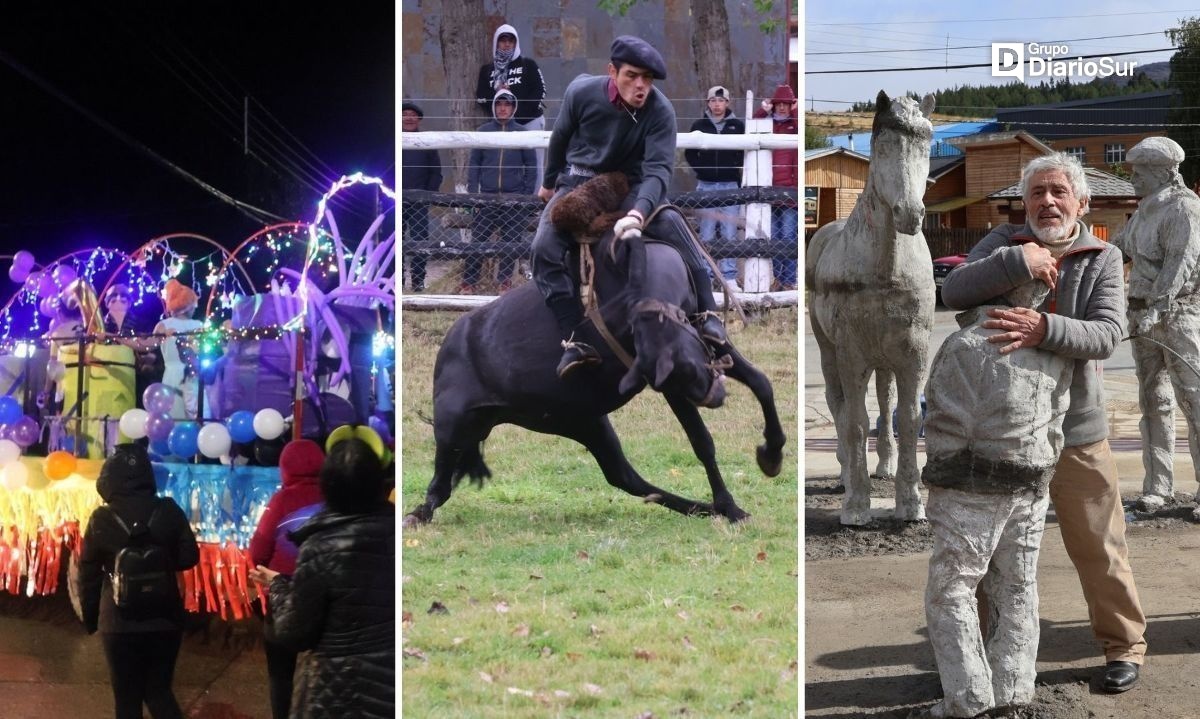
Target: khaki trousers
1087 501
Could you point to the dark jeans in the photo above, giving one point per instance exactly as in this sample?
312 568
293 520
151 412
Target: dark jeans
281 669
508 224
416 228
141 667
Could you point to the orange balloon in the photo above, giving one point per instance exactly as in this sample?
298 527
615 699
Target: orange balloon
60 465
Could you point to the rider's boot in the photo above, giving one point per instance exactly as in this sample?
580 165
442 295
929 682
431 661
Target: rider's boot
707 319
569 315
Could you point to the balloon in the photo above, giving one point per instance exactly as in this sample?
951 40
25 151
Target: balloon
133 423
214 440
46 286
64 275
24 260
26 431
10 451
268 423
182 439
160 448
159 426
267 451
10 410
158 398
17 274
241 426
48 307
59 465
15 475
33 281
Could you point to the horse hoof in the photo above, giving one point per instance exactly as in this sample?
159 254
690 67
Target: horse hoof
910 514
737 515
769 461
411 521
856 517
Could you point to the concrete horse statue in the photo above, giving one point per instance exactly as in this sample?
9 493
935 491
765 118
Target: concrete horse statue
497 365
872 307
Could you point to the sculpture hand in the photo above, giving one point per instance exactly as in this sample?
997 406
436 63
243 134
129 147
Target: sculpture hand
1041 263
629 226
1146 323
1022 327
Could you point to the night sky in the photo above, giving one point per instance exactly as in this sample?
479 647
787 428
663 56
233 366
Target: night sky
171 76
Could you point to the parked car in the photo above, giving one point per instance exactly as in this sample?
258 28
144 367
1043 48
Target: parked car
942 267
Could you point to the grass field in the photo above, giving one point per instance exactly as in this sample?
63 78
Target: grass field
549 593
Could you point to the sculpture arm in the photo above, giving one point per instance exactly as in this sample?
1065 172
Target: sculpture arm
1179 236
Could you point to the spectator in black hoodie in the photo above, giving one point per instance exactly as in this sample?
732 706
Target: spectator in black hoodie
141 650
340 603
718 170
419 170
520 75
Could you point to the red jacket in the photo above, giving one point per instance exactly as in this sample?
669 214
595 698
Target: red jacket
290 507
784 163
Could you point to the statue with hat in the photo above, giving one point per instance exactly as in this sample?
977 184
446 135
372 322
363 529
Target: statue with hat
1162 241
178 346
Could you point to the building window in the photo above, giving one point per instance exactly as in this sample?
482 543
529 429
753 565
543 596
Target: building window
1079 153
1114 153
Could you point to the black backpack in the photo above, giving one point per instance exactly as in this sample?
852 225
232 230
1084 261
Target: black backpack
143 577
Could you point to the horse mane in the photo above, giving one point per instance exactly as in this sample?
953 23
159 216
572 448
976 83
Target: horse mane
901 115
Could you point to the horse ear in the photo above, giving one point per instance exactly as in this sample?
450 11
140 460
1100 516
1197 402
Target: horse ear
927 104
882 101
663 368
632 382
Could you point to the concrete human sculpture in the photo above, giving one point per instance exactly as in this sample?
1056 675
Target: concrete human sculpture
872 306
993 435
1162 240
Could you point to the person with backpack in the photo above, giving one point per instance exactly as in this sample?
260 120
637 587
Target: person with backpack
287 510
341 601
133 548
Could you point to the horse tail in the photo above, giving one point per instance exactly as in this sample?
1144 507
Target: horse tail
470 464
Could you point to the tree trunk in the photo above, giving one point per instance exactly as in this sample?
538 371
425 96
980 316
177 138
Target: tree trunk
462 55
710 46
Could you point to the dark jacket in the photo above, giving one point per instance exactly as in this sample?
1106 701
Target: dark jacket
340 603
500 170
717 165
522 77
420 170
126 484
289 508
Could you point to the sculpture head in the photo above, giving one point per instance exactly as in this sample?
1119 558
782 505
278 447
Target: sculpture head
900 138
1155 163
1056 194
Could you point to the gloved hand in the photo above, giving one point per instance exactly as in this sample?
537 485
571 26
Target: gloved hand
1146 322
629 226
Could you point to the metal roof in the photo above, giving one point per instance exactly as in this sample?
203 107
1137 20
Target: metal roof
1120 115
861 141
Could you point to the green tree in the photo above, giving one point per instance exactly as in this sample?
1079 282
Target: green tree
1184 121
814 139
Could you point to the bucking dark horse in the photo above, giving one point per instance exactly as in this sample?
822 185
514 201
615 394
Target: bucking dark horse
497 365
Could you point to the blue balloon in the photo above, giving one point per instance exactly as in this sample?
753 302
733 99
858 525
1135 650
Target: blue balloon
182 439
10 410
160 448
241 426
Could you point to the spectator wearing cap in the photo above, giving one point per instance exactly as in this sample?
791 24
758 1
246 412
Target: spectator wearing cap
1162 241
419 170
519 74
718 170
781 108
497 171
614 123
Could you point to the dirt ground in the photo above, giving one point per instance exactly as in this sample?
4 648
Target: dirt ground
868 656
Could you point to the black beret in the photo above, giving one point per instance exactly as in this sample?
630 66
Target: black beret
412 106
635 51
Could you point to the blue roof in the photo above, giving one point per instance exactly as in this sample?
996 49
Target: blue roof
941 133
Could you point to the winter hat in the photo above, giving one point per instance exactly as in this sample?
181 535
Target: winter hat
717 91
635 51
127 472
300 462
414 107
177 295
784 93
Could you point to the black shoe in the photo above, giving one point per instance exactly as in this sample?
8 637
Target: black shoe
576 354
1119 677
711 330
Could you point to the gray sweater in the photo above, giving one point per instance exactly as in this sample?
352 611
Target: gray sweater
1085 316
593 133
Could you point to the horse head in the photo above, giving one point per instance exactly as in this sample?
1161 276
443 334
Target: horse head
671 357
900 138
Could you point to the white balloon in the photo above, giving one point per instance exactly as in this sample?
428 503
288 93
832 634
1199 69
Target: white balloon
214 440
268 423
133 423
10 451
14 475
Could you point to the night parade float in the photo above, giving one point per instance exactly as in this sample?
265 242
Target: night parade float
213 357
